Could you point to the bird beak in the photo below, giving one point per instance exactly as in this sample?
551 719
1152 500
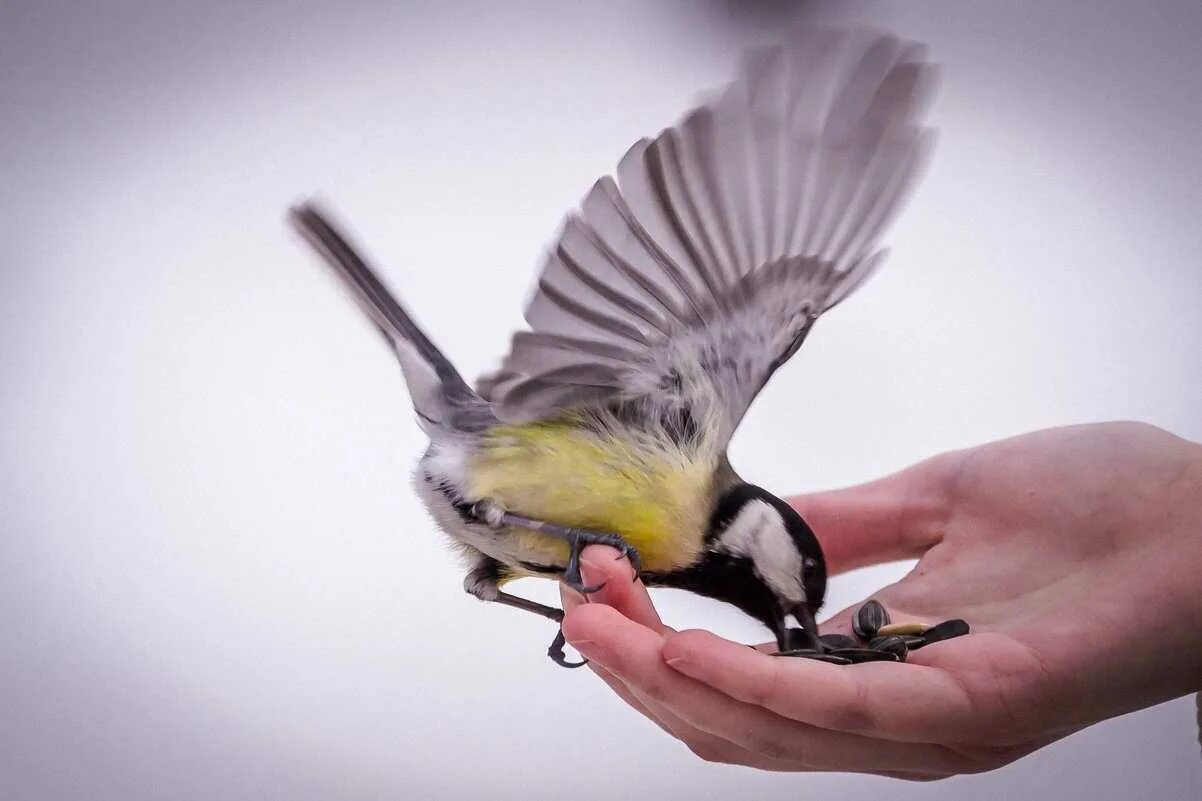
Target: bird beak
806 637
805 618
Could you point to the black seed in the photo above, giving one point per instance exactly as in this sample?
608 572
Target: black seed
869 618
831 659
891 644
913 641
838 641
945 631
857 655
799 639
808 653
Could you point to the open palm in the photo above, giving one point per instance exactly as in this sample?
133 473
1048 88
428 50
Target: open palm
1060 548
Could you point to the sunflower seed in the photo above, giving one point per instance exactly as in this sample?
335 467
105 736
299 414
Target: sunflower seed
833 659
807 653
902 628
858 655
869 619
838 641
797 639
892 644
945 631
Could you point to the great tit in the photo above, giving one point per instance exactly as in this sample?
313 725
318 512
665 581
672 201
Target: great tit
665 303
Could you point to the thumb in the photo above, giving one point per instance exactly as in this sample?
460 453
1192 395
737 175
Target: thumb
896 517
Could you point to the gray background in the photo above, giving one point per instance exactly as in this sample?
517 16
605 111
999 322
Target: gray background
214 582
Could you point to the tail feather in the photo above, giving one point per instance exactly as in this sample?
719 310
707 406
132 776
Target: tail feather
434 384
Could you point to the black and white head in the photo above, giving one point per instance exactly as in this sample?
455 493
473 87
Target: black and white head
762 557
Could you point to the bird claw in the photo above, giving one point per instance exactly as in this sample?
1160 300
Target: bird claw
577 540
627 551
557 654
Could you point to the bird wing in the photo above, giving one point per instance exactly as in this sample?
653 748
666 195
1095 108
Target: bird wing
700 267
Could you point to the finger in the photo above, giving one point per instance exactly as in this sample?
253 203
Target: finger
632 653
623 692
893 518
704 745
603 566
710 747
902 702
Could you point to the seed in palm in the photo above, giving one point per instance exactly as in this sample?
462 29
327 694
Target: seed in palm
869 619
902 628
891 644
859 655
817 656
945 631
833 641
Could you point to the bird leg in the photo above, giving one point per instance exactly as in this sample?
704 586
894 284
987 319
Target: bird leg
495 516
484 583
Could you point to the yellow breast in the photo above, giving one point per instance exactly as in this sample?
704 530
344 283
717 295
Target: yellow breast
642 488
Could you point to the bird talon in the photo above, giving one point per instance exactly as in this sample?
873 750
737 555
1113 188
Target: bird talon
557 654
635 561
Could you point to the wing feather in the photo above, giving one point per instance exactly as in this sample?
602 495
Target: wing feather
691 277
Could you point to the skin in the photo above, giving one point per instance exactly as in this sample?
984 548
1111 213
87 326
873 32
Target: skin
1058 547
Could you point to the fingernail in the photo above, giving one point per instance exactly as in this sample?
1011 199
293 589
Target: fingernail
598 564
593 577
681 665
589 559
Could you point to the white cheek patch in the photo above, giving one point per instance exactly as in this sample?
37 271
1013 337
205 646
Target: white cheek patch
759 534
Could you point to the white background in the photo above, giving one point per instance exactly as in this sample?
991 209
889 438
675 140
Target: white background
214 581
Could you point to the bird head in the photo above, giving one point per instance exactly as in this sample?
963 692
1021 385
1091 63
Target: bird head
762 557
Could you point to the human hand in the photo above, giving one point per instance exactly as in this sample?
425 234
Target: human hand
1074 553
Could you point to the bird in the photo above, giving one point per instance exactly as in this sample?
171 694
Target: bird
665 302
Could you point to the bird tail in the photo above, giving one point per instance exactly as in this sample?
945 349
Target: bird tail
435 386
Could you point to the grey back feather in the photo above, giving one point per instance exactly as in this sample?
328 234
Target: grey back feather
724 238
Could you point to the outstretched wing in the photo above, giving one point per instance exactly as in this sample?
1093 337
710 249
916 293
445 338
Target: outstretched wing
700 269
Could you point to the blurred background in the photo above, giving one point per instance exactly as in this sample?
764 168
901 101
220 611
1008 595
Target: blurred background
214 579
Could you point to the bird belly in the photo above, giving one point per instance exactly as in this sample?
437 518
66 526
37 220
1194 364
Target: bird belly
651 494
